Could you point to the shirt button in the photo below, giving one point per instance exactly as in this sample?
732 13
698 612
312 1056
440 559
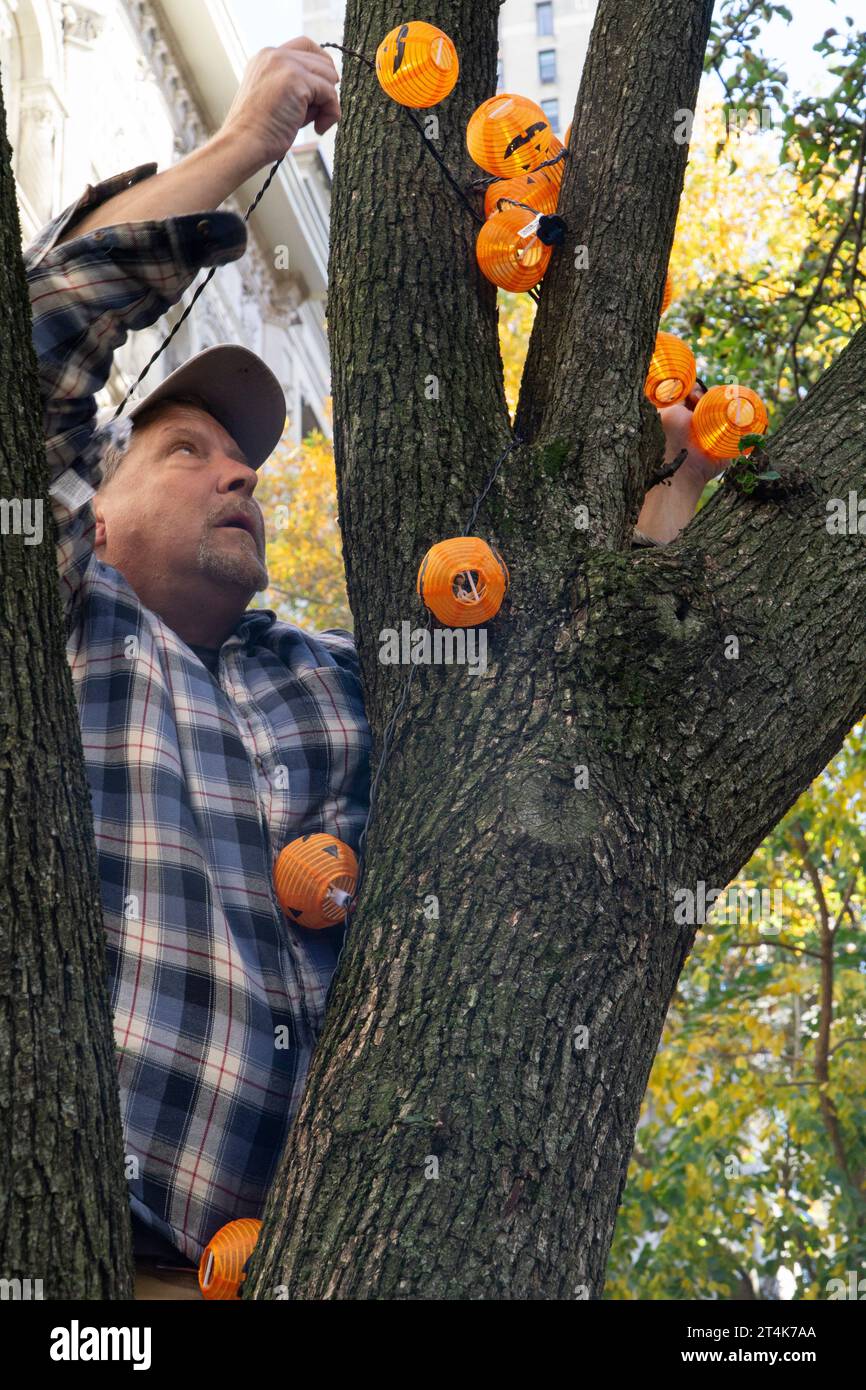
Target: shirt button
97 236
203 227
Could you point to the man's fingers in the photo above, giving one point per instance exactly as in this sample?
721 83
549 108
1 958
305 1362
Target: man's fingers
318 63
303 43
322 102
324 121
309 52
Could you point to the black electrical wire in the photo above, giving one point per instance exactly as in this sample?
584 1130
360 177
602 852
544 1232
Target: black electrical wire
188 310
428 145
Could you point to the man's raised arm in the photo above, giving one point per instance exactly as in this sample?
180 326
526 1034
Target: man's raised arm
282 90
125 251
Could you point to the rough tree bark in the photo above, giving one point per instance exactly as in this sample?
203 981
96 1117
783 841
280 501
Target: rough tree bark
458 1038
64 1208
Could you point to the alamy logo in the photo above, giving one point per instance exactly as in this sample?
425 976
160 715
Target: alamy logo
22 516
77 1343
21 1290
444 646
761 906
846 517
853 1288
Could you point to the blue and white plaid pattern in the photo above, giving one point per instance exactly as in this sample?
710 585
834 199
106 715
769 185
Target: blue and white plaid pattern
197 781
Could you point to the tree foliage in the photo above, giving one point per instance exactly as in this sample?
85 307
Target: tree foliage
305 555
799 310
747 1178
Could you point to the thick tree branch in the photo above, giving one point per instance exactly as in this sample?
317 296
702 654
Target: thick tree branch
595 328
413 325
734 626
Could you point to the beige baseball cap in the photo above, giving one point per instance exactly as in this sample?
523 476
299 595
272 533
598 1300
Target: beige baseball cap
238 389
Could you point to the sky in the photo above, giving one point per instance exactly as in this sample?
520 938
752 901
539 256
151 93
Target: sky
270 22
266 23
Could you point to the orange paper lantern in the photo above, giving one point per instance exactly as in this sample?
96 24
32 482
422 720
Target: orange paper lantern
221 1268
539 190
508 135
568 135
723 415
668 292
463 581
509 260
416 64
315 878
672 371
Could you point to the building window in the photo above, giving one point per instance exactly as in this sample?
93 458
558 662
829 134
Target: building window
499 74
547 65
544 19
309 419
551 111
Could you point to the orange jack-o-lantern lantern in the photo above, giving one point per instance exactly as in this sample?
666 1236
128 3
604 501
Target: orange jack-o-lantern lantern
539 190
463 581
510 259
221 1268
416 64
723 415
509 135
315 878
668 292
672 371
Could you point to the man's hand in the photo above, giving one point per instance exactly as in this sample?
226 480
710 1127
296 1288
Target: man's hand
282 90
677 425
670 506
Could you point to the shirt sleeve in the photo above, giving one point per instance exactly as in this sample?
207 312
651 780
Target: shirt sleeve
86 296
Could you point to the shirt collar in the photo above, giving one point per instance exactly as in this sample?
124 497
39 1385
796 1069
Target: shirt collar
251 629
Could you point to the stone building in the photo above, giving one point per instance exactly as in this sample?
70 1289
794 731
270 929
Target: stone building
542 47
94 89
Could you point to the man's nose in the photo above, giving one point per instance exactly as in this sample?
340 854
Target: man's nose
237 477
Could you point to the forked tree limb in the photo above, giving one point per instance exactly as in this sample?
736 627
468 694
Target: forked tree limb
595 327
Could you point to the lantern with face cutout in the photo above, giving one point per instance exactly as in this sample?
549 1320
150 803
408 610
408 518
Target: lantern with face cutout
509 135
723 415
672 371
463 581
416 64
315 878
539 190
221 1269
508 258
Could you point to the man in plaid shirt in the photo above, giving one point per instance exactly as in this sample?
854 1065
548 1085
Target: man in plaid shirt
213 734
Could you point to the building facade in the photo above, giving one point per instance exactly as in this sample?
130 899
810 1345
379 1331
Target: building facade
94 89
542 47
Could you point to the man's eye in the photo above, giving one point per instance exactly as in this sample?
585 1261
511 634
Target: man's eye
185 444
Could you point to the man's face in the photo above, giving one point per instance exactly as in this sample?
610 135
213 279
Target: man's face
179 512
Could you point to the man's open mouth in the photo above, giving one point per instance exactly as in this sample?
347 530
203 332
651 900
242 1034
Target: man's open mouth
238 522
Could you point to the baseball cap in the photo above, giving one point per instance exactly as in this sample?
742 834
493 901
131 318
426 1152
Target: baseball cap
238 389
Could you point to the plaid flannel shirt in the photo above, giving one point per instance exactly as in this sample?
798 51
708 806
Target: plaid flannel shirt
197 781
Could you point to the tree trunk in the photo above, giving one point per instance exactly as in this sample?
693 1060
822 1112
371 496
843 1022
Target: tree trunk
471 1109
64 1209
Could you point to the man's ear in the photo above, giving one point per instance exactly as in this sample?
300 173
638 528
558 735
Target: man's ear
100 534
